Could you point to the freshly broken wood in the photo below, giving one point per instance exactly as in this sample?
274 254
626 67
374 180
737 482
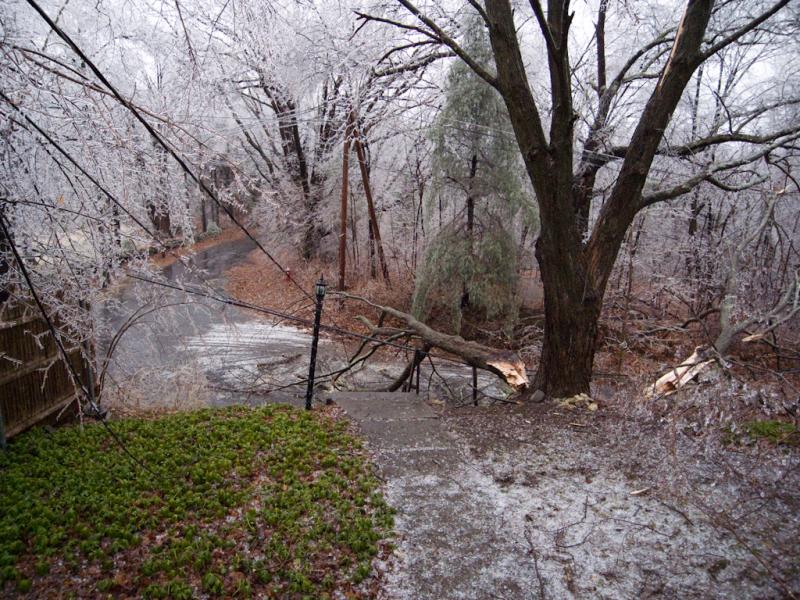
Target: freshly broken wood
679 376
503 363
786 308
703 357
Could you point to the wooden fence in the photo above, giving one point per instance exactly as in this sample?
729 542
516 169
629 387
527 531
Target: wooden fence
35 383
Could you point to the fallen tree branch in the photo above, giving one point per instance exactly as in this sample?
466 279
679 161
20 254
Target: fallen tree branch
679 376
408 372
786 308
682 327
360 359
503 363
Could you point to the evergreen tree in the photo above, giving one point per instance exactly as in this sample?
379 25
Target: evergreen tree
472 260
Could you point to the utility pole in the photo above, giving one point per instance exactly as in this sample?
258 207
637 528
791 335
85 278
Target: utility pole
343 210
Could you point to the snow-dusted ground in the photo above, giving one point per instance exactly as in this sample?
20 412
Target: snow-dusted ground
513 502
526 510
251 355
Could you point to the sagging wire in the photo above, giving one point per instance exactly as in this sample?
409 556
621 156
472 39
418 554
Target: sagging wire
223 299
95 411
198 180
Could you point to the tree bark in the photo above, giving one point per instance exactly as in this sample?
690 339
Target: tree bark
362 163
343 209
373 270
572 310
5 249
503 363
473 169
575 270
574 273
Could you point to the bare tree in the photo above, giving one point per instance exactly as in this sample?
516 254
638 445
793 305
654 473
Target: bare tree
576 257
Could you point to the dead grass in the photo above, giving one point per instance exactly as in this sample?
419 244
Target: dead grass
258 281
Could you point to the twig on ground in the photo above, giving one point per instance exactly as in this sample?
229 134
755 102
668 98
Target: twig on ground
535 556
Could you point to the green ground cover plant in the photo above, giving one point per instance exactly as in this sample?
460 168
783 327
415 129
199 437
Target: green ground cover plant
239 502
774 432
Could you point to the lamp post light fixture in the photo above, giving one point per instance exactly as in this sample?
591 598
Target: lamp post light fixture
319 289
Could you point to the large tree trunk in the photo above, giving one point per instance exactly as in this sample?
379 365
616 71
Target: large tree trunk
572 305
570 330
575 272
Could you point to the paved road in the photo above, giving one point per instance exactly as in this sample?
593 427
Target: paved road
192 348
187 350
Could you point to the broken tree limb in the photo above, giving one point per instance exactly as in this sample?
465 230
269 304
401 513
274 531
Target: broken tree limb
786 308
375 330
679 376
360 359
503 363
408 372
392 334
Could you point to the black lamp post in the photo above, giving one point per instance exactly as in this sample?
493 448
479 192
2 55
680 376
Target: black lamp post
319 289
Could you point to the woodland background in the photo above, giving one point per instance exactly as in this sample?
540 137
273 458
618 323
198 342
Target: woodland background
260 99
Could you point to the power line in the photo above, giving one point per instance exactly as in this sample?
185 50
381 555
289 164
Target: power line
75 48
449 123
224 299
446 122
86 174
111 196
64 355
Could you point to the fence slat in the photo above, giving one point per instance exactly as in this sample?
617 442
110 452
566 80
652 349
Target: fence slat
34 380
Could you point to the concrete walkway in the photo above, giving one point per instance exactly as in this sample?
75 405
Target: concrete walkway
449 544
516 504
403 432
